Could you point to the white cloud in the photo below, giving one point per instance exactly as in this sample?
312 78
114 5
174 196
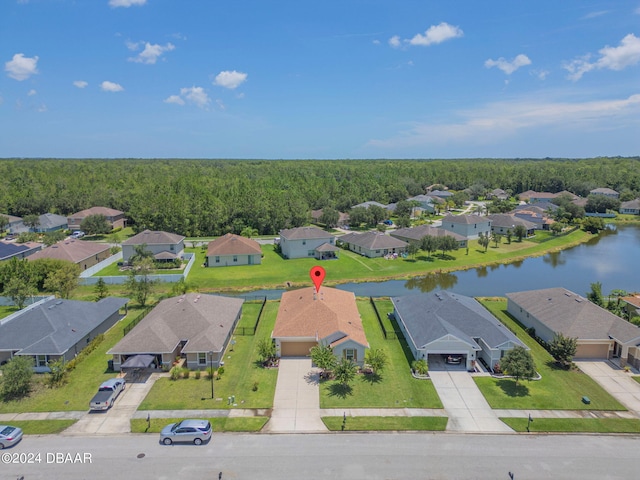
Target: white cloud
125 3
376 42
150 53
612 58
230 79
497 121
31 93
111 87
174 99
597 14
395 41
21 67
506 66
80 83
436 34
541 74
42 108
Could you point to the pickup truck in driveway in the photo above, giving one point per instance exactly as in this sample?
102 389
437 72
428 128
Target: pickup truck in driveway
107 394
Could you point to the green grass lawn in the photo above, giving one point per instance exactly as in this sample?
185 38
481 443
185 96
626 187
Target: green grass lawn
575 425
636 378
6 310
355 424
42 427
559 389
394 388
276 272
219 424
241 372
113 270
83 381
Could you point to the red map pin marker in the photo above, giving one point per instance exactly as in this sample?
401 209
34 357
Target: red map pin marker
317 275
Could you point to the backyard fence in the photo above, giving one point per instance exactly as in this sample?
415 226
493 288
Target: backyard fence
388 334
135 322
252 330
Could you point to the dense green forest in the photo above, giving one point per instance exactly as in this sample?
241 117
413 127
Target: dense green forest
212 197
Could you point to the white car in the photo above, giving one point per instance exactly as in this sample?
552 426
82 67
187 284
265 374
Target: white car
77 234
9 436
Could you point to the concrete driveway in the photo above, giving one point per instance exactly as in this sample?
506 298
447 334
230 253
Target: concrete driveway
466 407
615 381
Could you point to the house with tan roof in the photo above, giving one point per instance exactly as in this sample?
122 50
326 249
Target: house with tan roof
164 246
600 333
85 254
115 217
607 192
631 207
373 244
330 317
232 250
193 326
303 242
631 305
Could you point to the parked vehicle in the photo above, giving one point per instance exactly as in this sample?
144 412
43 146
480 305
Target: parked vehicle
196 431
77 234
9 436
107 394
388 222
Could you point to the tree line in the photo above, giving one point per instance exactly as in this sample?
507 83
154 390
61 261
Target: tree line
213 197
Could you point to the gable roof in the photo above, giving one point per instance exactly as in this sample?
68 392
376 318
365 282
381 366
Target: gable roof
465 219
370 203
631 204
304 233
421 231
204 321
603 191
149 237
11 249
106 211
373 240
54 326
72 250
509 221
441 193
231 244
430 316
331 313
568 313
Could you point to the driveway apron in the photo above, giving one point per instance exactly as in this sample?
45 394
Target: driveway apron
466 407
614 380
296 404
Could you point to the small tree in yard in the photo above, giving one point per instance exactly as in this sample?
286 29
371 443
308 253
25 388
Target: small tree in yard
323 357
376 358
266 350
64 280
345 371
59 373
95 224
518 363
16 378
563 348
100 290
520 232
421 367
483 240
139 285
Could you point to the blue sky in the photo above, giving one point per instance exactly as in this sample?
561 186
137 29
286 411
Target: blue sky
331 79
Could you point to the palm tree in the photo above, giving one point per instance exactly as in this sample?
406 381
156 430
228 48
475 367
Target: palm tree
249 232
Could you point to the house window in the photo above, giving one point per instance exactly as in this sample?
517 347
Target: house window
304 242
172 247
350 354
202 358
217 259
235 258
41 360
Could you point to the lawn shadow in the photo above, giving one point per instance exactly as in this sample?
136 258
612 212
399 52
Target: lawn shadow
509 388
340 390
425 258
371 378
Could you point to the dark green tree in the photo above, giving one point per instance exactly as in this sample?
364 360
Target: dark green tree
483 240
595 295
518 363
429 244
360 215
323 357
563 348
140 284
403 222
53 237
330 217
249 232
413 248
100 290
266 350
32 221
377 359
593 224
64 280
4 223
378 214
95 225
15 381
446 244
520 232
345 371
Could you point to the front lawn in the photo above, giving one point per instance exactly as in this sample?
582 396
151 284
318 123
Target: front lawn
559 389
242 373
218 424
83 381
394 387
575 425
42 427
355 424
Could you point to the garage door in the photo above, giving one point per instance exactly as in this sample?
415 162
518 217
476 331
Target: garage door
598 350
296 349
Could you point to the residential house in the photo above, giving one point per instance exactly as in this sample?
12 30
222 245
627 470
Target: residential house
343 218
443 194
503 223
600 333
607 192
164 246
536 214
232 250
55 328
302 242
426 203
193 326
498 194
631 305
84 254
115 217
535 197
10 250
47 222
330 317
416 234
373 244
469 226
631 208
446 325
12 221
368 204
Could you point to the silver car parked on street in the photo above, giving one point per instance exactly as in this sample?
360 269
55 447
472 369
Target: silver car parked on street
196 431
9 436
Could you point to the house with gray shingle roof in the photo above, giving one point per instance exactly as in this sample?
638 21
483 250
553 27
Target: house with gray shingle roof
631 207
503 223
416 234
188 326
369 204
469 226
302 242
607 192
600 333
55 328
446 324
47 222
232 250
10 250
373 244
163 245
